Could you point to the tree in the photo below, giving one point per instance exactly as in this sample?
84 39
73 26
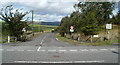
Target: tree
91 27
13 18
88 17
103 10
64 26
117 18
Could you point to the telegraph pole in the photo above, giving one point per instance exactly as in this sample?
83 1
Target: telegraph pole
40 24
32 23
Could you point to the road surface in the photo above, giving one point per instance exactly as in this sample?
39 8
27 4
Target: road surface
48 49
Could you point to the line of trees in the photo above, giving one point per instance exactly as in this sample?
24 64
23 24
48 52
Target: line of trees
89 17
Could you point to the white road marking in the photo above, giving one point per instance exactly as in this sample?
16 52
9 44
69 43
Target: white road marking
62 50
42 50
113 49
39 48
103 49
73 50
20 50
83 50
9 50
94 61
30 50
88 61
56 38
1 49
93 50
41 43
51 50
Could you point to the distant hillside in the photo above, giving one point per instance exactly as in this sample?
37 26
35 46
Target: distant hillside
51 23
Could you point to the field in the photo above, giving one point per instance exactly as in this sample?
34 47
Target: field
37 28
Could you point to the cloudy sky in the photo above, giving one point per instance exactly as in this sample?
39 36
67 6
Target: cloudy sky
46 10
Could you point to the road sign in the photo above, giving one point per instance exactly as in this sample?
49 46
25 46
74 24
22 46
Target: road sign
23 29
96 36
108 26
71 30
71 27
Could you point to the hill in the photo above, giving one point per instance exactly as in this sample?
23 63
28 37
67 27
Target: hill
51 23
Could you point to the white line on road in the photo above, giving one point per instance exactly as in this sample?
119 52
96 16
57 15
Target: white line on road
38 48
104 49
9 50
62 50
83 50
88 61
73 50
95 61
93 50
42 50
41 43
20 50
1 49
30 50
56 38
51 50
113 49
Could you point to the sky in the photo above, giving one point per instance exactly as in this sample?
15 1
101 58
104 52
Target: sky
44 10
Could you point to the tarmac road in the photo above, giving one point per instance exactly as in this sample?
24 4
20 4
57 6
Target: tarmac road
48 49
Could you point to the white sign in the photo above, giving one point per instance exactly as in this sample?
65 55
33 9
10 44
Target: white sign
95 36
108 26
71 30
71 27
23 29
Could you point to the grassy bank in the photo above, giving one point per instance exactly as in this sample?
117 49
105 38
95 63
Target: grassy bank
113 34
75 42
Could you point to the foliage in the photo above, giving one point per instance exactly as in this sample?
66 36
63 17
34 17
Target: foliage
88 17
13 21
117 21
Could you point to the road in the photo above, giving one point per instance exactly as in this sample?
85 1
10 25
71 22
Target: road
48 49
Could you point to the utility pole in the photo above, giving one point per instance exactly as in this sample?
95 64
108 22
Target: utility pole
40 24
32 23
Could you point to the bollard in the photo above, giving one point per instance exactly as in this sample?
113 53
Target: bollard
8 39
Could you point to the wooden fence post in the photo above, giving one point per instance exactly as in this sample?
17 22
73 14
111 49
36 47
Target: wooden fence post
91 39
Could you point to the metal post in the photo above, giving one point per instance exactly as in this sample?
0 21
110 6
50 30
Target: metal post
108 36
32 23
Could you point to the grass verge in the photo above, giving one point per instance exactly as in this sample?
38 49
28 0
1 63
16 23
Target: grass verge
75 42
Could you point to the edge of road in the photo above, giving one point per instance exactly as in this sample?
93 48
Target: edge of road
31 38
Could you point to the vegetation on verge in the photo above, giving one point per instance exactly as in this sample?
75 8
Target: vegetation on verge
13 22
88 20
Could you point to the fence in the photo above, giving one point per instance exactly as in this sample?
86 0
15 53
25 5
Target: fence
82 38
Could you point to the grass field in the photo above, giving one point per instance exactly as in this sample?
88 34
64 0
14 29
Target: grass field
37 28
113 33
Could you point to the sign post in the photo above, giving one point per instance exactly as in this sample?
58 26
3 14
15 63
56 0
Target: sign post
108 27
71 30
